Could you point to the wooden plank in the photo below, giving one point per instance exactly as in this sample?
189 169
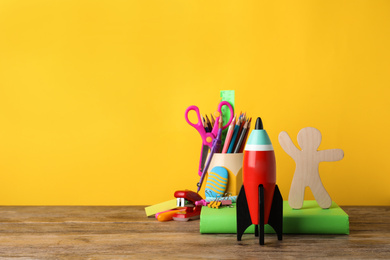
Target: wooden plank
125 233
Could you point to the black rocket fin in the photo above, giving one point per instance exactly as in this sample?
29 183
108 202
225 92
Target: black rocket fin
261 214
256 230
276 213
243 215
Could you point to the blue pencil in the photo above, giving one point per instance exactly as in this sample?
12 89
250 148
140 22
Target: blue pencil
231 146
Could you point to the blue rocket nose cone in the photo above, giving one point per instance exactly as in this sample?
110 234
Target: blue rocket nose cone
259 124
258 139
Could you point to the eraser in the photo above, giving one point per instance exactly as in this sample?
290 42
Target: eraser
216 182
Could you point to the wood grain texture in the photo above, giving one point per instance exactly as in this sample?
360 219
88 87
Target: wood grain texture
307 161
125 233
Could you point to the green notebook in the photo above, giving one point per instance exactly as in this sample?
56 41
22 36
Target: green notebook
311 219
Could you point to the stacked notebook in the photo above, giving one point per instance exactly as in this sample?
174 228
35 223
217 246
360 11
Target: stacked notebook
310 219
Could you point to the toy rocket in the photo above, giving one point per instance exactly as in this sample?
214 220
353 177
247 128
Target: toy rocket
259 201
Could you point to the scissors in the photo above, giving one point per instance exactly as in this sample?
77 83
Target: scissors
207 138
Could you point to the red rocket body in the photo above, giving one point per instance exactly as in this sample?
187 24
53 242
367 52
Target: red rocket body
259 201
259 167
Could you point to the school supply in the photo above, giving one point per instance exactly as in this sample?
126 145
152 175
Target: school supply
311 219
207 137
202 202
163 206
241 139
242 120
246 136
212 119
229 135
214 149
190 211
233 140
212 146
215 204
220 201
231 198
216 182
157 214
226 95
208 123
226 202
232 162
206 128
167 215
188 214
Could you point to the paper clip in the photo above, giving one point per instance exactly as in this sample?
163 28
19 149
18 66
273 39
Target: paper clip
215 204
226 200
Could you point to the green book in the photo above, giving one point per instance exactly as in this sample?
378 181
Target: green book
310 219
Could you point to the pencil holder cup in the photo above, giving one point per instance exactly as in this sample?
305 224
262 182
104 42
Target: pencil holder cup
232 162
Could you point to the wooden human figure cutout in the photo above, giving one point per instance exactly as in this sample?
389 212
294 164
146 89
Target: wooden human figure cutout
307 161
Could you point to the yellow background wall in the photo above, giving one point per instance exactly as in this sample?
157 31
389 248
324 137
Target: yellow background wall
93 93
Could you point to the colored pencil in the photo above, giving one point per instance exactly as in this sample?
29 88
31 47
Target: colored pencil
218 144
229 135
205 125
242 137
236 128
209 124
242 119
246 136
212 119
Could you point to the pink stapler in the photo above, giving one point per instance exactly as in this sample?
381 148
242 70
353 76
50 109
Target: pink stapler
190 211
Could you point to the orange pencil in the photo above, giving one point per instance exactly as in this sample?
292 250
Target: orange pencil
229 135
166 216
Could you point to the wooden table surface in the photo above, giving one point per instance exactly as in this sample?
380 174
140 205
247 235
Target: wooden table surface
119 232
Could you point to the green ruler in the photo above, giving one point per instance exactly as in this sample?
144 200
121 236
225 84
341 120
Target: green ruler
226 95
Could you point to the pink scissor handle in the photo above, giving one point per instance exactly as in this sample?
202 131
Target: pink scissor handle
196 109
207 138
215 128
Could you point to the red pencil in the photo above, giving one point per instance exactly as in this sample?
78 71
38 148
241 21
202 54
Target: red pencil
229 135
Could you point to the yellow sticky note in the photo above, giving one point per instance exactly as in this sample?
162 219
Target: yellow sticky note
163 206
